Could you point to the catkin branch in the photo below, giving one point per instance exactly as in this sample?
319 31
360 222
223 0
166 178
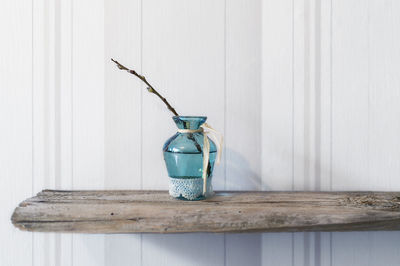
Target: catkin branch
149 87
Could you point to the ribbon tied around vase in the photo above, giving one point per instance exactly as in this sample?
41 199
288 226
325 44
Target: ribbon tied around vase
218 140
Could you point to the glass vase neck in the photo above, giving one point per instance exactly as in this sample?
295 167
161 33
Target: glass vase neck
189 122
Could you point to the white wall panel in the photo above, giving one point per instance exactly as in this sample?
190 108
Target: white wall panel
384 113
242 97
277 96
323 116
243 249
384 95
277 249
122 37
350 124
88 116
122 30
242 133
311 115
365 117
16 165
350 95
44 116
277 117
64 249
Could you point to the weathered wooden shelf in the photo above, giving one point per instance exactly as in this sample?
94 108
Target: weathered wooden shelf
155 212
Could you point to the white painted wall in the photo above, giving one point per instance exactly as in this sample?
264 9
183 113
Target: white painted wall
306 92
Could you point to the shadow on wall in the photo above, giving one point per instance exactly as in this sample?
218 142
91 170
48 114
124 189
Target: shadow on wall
203 249
240 175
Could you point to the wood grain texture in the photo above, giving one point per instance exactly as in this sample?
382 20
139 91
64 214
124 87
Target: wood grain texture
156 212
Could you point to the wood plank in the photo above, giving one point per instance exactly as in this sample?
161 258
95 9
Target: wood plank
156 212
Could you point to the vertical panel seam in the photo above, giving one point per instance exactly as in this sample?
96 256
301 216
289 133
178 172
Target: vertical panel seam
225 111
141 95
72 113
368 95
32 119
330 248
46 101
306 96
308 153
293 99
317 116
224 249
225 90
292 94
293 249
260 101
57 94
331 98
72 94
57 116
32 100
317 87
141 118
104 105
331 117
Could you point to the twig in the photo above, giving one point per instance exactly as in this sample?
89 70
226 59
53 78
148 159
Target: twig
149 88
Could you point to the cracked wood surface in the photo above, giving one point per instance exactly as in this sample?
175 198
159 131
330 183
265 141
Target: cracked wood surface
117 211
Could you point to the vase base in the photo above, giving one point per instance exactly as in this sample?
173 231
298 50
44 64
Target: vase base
189 188
185 199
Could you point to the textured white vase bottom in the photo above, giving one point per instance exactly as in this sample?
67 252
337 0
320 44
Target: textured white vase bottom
189 188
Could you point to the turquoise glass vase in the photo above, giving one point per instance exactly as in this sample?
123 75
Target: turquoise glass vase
183 155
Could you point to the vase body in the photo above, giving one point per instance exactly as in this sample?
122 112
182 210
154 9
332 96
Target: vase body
183 155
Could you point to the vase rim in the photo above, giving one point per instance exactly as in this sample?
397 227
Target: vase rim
190 116
189 122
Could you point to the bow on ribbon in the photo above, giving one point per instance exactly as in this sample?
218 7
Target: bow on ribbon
218 140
